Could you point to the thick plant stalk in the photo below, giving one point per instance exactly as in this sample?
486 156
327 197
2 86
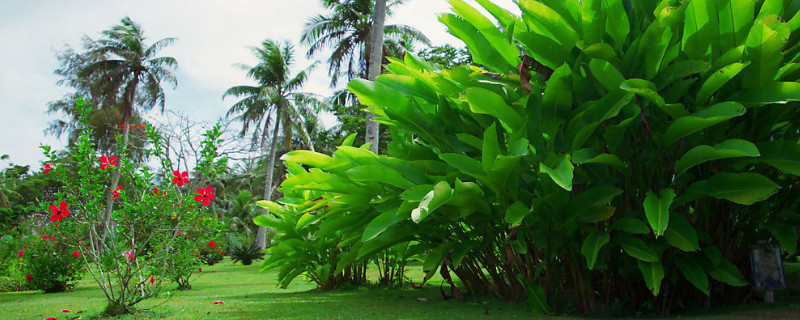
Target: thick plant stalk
261 236
375 59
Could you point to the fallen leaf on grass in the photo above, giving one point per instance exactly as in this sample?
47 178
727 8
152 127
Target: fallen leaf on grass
66 310
218 302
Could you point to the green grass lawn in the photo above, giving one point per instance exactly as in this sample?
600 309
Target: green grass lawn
251 295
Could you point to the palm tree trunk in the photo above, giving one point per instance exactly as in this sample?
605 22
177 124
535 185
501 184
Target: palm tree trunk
126 123
375 62
261 236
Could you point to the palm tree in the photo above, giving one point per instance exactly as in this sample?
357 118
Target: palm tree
129 70
346 30
276 93
375 59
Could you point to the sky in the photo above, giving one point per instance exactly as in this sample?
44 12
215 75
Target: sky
211 37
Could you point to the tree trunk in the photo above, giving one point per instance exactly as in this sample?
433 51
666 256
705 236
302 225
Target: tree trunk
261 236
375 62
126 123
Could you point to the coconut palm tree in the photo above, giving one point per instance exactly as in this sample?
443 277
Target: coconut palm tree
124 67
276 92
346 30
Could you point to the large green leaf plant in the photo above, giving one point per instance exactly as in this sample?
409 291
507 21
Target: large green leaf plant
603 149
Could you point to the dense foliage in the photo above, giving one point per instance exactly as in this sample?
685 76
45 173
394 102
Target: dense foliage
634 147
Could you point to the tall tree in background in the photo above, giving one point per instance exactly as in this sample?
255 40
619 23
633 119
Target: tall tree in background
125 69
276 92
345 30
375 58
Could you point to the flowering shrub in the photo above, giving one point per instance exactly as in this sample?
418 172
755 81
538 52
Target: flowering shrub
141 241
51 264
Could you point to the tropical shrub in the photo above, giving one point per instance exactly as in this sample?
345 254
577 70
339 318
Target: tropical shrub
633 147
246 253
129 253
51 264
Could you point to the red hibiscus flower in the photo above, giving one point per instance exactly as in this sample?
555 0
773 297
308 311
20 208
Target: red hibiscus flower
66 310
50 318
211 243
47 168
152 280
180 233
115 193
59 212
218 302
21 253
28 277
180 178
130 255
44 236
204 195
105 162
76 254
155 191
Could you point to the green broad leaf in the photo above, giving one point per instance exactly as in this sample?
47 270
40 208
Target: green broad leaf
395 234
550 20
416 193
592 245
764 48
545 50
506 49
557 100
702 119
653 273
636 248
593 21
268 221
561 173
643 88
681 234
617 24
742 188
653 47
713 255
700 29
596 196
435 258
409 86
630 225
484 101
718 79
732 148
606 73
502 15
589 155
482 51
376 94
338 222
781 154
728 273
380 224
602 51
776 92
433 200
463 163
596 214
679 70
346 259
656 208
537 299
693 272
516 212
379 173
784 233
317 160
270 206
350 140
491 147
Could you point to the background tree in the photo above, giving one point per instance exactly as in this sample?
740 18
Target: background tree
276 93
126 73
375 59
